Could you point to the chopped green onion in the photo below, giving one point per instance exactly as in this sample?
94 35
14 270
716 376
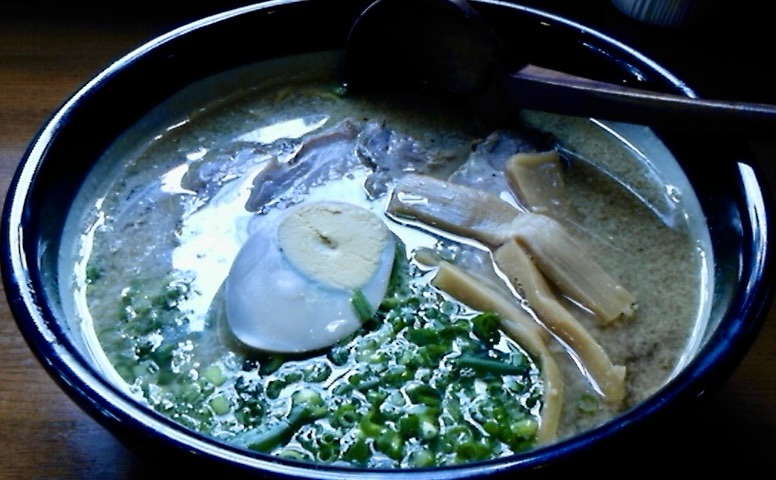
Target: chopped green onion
423 336
220 405
370 425
390 443
422 458
485 326
345 416
489 365
421 393
588 404
308 406
214 375
358 452
361 306
470 451
272 363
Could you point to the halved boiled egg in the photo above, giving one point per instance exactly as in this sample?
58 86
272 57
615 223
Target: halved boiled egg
290 287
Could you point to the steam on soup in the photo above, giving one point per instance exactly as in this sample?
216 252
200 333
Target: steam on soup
381 282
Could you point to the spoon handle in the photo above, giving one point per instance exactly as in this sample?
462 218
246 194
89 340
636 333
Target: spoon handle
539 88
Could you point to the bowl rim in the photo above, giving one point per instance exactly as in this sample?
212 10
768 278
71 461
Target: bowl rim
109 405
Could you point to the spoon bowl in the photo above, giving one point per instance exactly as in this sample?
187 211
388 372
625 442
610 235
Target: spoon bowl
446 46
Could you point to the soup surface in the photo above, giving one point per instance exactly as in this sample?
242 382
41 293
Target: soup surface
431 374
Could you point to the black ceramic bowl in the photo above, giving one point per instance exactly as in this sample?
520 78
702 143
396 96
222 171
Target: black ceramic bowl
61 155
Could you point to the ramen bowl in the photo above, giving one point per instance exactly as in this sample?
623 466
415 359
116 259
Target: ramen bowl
99 166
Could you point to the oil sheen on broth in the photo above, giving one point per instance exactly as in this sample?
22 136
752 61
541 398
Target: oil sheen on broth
425 379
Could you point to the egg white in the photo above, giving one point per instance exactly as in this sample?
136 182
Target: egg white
274 305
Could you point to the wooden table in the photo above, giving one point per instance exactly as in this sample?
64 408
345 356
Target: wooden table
46 54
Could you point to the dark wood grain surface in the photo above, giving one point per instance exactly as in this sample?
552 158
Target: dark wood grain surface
47 51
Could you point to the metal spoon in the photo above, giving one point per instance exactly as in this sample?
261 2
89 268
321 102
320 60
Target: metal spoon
446 46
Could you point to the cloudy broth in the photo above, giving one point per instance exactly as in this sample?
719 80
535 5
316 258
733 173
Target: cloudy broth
154 232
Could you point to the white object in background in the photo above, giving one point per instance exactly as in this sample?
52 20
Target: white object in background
666 13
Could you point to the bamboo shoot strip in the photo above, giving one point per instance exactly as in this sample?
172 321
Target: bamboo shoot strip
453 208
537 183
484 217
568 266
520 327
515 263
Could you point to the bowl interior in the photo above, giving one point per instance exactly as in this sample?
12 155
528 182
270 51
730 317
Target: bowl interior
66 149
